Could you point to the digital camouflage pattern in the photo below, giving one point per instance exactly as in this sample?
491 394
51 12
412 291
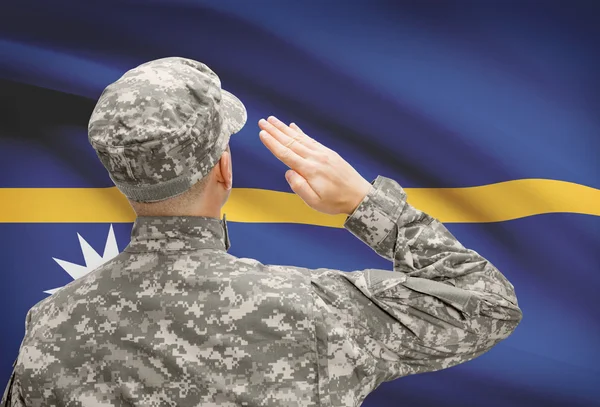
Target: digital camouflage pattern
163 126
175 320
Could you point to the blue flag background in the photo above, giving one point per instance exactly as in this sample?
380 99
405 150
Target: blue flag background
434 94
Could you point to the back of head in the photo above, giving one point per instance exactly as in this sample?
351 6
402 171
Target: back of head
162 127
179 205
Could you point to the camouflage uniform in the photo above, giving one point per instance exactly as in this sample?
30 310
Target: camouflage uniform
174 320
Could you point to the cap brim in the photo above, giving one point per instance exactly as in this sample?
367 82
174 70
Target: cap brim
233 111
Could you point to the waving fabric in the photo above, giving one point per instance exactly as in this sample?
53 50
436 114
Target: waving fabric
487 113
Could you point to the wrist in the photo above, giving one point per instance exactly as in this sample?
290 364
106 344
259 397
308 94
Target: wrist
358 197
379 214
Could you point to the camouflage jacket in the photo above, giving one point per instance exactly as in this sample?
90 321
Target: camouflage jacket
174 320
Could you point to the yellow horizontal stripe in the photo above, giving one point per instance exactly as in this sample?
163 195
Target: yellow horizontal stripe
488 203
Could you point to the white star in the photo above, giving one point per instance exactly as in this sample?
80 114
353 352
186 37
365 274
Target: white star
92 259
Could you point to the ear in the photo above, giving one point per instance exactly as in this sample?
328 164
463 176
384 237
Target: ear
225 172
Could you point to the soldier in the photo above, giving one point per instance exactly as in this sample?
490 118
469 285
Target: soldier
174 320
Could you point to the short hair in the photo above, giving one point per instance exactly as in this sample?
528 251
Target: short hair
176 205
172 206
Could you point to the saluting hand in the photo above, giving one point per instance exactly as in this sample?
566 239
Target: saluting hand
323 179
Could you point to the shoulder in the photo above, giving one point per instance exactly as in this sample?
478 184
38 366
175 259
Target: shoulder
81 292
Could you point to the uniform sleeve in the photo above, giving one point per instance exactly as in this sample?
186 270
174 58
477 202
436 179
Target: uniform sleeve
12 396
442 305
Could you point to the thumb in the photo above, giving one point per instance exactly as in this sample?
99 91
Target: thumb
300 186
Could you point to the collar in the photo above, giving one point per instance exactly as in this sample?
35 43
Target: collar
176 233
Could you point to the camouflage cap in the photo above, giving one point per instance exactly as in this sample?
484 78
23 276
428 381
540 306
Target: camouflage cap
163 126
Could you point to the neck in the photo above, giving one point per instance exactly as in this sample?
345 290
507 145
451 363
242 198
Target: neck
205 212
167 233
159 209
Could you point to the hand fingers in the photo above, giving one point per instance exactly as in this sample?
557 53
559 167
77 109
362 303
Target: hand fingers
310 142
283 153
301 187
291 142
295 127
285 129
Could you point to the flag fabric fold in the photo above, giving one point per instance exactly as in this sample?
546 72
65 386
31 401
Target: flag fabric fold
487 117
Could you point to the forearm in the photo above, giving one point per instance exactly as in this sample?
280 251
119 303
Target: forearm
443 304
422 247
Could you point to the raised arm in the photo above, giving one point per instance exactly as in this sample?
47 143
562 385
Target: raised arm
431 261
443 305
